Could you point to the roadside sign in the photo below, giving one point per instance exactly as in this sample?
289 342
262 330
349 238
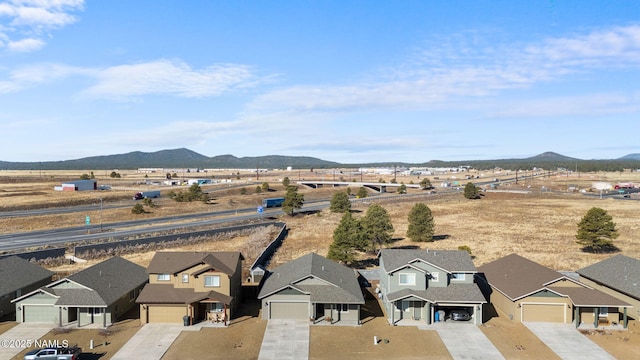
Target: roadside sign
260 209
87 220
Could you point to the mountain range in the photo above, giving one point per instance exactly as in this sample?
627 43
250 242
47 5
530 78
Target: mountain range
185 158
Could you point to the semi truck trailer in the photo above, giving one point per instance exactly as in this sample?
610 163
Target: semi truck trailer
146 195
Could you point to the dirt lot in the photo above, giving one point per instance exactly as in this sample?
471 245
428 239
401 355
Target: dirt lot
106 341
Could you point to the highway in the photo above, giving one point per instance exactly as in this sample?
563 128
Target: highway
122 229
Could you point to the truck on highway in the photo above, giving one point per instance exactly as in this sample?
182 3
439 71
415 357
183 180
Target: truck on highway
273 202
54 353
146 195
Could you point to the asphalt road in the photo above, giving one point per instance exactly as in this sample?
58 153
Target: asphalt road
123 229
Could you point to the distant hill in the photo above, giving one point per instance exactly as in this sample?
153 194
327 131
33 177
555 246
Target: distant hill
185 158
630 157
551 156
175 158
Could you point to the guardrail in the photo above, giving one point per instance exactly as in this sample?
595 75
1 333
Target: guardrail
81 250
259 266
39 254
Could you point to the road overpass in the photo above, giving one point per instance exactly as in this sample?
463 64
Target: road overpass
377 186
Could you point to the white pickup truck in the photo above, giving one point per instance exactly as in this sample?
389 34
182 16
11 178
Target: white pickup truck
54 353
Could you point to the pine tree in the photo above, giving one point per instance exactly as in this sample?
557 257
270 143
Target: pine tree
596 231
347 237
377 226
292 200
471 191
340 202
426 184
421 225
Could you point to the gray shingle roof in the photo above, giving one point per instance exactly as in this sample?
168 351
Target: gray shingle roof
449 260
111 279
458 293
17 273
620 272
342 281
78 297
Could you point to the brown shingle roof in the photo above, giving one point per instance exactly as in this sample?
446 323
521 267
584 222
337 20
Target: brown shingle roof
173 262
582 296
167 294
517 277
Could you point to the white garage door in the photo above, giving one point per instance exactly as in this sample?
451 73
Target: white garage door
289 310
35 313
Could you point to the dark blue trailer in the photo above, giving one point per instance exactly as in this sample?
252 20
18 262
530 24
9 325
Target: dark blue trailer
273 202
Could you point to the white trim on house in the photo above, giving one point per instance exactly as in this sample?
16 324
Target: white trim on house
410 279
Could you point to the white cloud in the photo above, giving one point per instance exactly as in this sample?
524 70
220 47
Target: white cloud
164 77
32 18
161 77
25 45
457 70
585 106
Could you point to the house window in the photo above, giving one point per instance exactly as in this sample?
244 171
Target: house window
132 295
95 311
457 276
215 307
212 280
434 276
164 277
603 312
185 278
407 279
343 308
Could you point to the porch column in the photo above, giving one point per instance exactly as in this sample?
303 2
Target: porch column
393 312
625 321
60 316
428 313
78 315
104 318
577 316
595 316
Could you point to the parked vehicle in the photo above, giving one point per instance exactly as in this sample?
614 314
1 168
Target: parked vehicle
459 315
54 353
146 195
273 202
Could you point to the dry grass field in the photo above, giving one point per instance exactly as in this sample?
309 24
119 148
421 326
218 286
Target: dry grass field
540 225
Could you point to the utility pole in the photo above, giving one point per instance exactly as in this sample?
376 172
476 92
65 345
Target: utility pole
100 214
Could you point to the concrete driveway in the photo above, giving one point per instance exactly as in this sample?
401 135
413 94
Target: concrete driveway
467 341
150 342
15 339
285 340
566 341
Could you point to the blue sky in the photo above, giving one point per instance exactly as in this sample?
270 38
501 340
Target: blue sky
346 81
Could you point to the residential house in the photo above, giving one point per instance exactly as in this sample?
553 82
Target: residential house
527 291
618 276
19 277
196 286
423 286
314 288
98 295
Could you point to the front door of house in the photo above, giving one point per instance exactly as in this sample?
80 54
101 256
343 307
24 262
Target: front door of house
417 310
